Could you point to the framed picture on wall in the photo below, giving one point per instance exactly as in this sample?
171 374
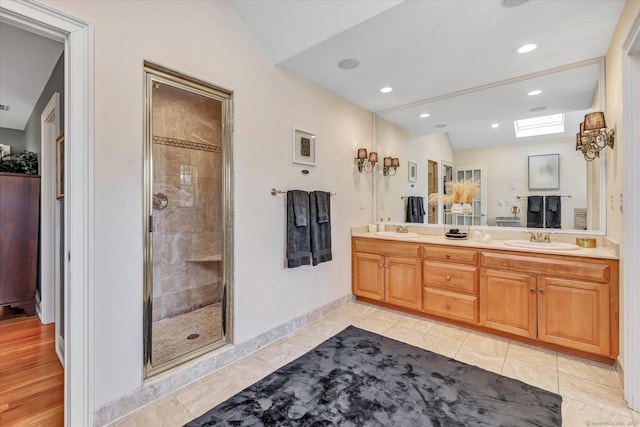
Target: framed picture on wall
60 167
303 149
413 172
544 172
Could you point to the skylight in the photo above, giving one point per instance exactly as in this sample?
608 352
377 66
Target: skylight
543 125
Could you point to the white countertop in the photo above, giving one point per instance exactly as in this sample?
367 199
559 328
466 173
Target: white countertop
597 252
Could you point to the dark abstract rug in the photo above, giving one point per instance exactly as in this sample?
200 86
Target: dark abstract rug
358 378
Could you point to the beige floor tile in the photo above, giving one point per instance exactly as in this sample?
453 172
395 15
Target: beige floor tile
358 309
393 316
404 334
206 393
441 345
306 339
448 331
375 324
482 359
280 353
592 371
529 373
421 325
535 355
165 412
486 343
579 414
246 371
325 327
636 417
592 393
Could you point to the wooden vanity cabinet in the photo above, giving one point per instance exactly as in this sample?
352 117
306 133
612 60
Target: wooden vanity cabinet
388 272
450 283
564 301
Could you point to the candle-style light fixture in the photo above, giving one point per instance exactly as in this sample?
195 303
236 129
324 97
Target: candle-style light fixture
390 165
593 136
366 163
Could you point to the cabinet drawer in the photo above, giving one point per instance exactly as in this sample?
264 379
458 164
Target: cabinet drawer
450 304
591 270
455 277
386 247
445 253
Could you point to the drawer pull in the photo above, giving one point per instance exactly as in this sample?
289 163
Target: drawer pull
447 256
447 278
532 289
447 306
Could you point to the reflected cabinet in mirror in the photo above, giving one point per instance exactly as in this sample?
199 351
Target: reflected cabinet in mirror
188 265
504 154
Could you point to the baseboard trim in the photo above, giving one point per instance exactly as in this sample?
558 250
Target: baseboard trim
169 381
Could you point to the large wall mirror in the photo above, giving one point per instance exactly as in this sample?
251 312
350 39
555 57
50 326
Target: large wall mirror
471 135
187 224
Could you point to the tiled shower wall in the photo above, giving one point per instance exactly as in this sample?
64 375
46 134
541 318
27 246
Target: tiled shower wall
187 162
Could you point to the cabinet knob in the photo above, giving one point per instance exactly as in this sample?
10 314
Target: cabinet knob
541 291
386 265
447 278
447 306
447 256
380 265
532 289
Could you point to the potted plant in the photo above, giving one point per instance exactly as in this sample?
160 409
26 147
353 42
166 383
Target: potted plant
459 195
24 163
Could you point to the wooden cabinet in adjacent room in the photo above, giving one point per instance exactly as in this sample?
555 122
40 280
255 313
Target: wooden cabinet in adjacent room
19 223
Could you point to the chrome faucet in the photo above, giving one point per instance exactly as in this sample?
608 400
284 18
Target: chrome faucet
540 237
401 229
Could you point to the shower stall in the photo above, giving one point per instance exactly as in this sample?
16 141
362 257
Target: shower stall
187 218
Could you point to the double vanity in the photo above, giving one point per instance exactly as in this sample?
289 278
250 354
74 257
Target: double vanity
558 296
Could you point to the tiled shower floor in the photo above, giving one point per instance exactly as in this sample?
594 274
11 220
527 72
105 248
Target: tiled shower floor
170 335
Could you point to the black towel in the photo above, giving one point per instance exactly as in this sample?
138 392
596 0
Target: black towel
415 209
320 227
553 214
322 202
535 218
298 237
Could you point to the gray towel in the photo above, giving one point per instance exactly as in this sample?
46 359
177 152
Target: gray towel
322 201
553 214
300 206
534 212
320 231
298 237
415 209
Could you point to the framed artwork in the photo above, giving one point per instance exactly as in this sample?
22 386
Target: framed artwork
544 172
413 172
304 148
60 167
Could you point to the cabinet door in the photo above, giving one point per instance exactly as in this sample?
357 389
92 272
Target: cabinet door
368 276
403 279
574 314
508 302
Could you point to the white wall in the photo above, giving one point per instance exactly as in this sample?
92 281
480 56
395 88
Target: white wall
208 40
395 142
507 164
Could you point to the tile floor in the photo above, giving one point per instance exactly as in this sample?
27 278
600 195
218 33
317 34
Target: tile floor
591 391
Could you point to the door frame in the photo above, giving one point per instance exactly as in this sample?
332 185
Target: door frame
77 35
631 192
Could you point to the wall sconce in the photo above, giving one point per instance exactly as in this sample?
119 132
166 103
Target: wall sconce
390 165
593 136
364 163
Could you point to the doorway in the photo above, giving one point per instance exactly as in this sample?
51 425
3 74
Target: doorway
432 188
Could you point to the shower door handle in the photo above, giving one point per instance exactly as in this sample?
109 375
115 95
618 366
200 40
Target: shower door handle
152 226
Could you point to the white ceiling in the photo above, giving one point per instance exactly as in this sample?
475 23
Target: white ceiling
430 49
26 63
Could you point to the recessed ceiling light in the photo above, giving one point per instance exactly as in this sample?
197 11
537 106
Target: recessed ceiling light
441 125
538 109
495 125
527 48
424 115
534 92
386 89
348 64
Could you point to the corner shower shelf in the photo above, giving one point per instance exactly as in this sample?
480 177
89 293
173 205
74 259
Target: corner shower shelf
206 258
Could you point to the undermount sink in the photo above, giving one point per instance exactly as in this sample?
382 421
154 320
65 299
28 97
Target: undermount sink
395 234
553 246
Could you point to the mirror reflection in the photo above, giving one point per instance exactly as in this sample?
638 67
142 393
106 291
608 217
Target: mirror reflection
533 180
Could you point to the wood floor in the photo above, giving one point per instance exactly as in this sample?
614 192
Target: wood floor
31 377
